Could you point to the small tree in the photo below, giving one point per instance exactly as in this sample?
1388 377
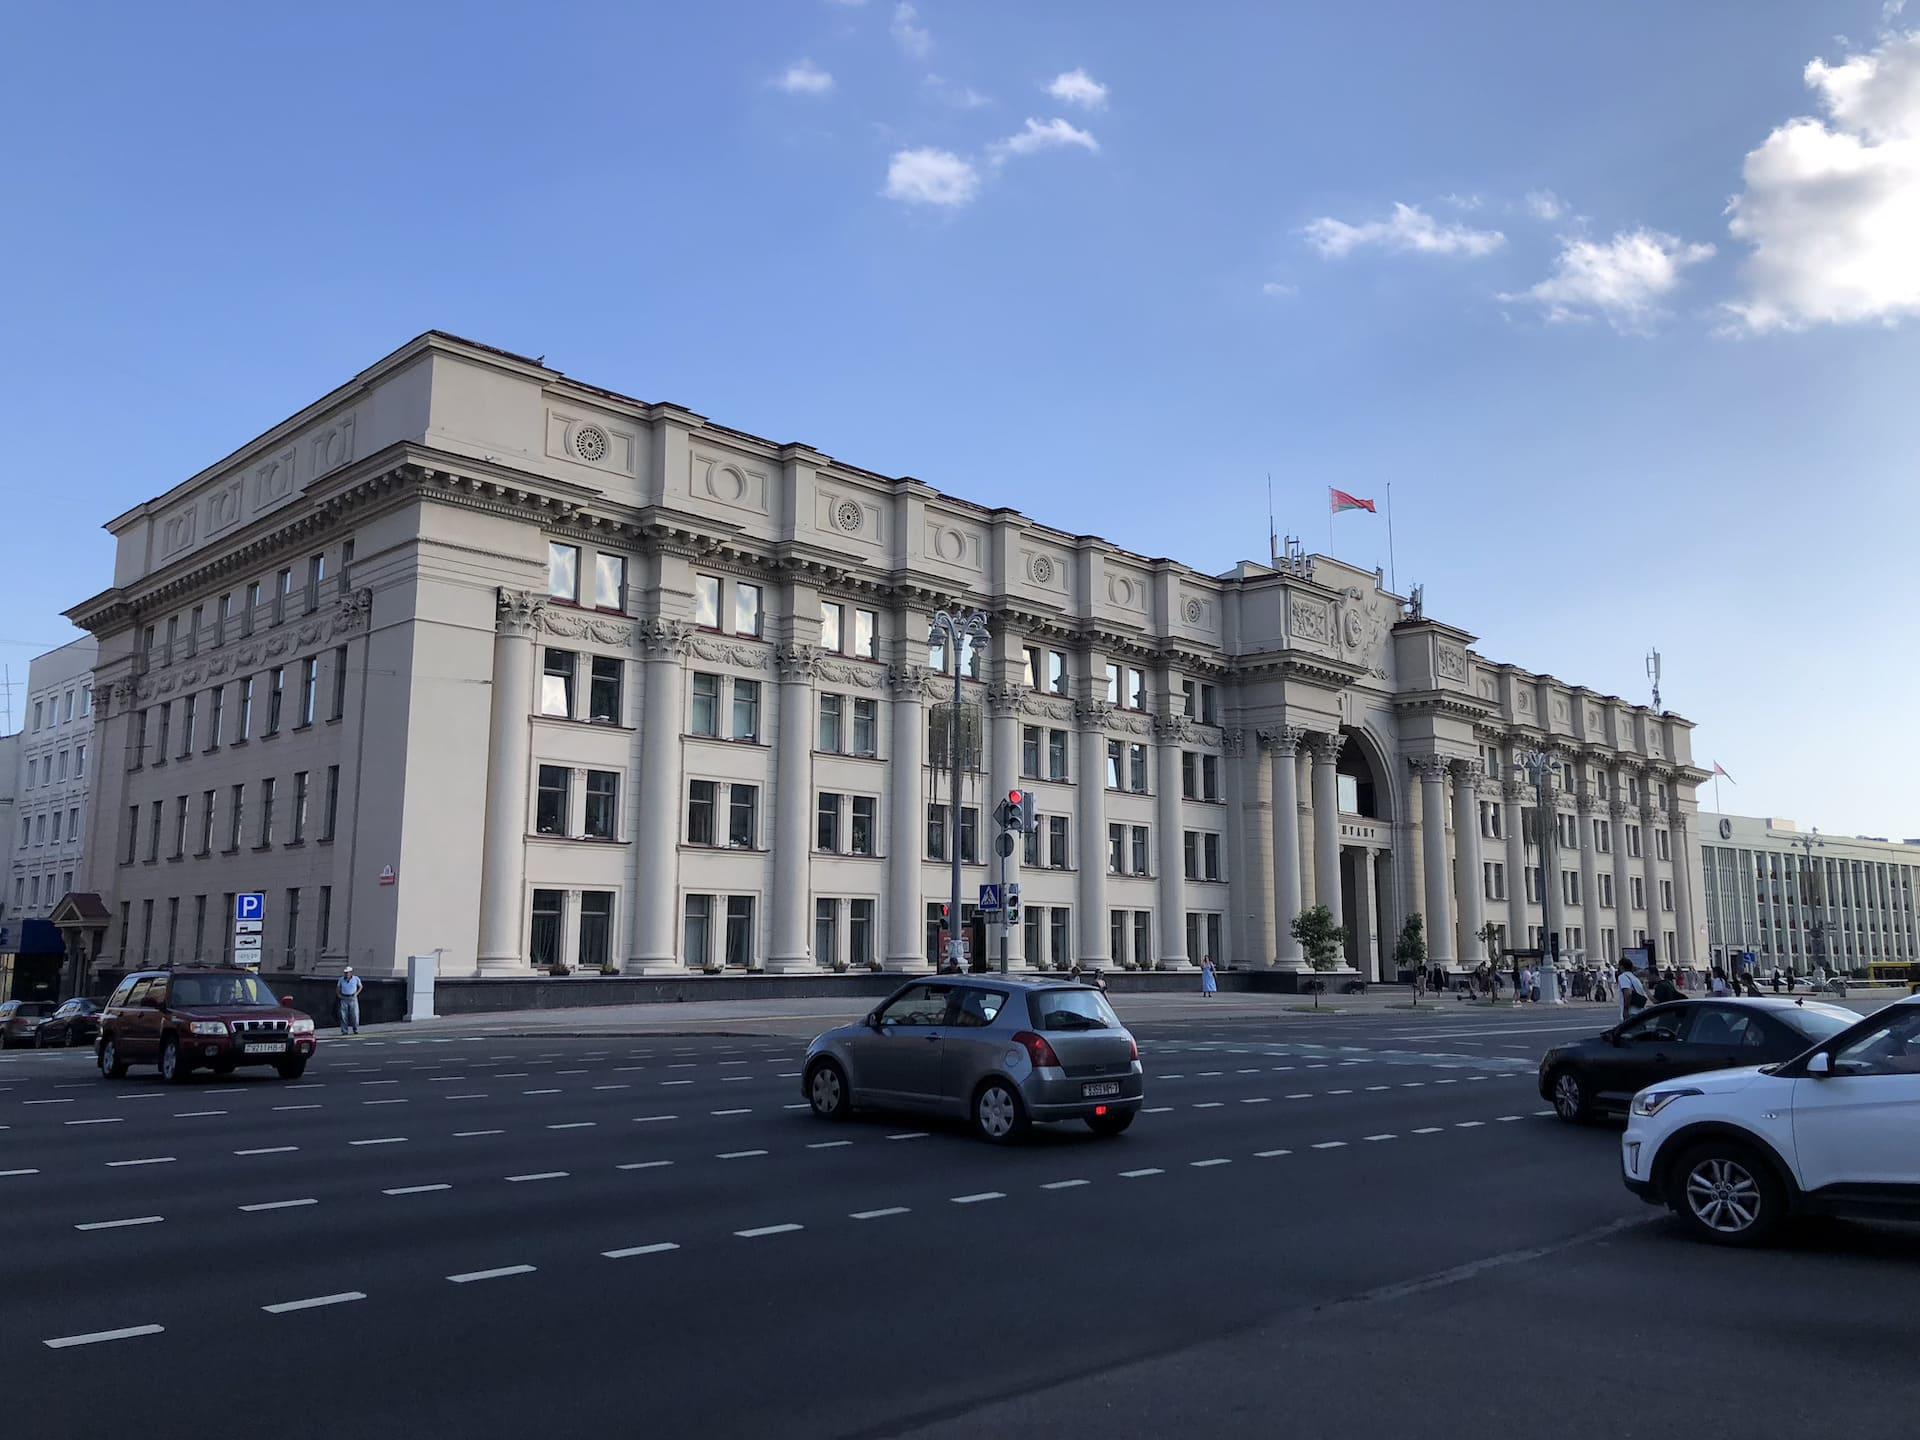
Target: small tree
1410 952
1322 939
1487 935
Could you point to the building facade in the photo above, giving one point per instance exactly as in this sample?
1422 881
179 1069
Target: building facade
470 657
1797 898
52 811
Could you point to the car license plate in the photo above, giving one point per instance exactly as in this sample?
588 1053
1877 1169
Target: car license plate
1098 1088
264 1049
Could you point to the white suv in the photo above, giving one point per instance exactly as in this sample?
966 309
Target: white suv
1835 1131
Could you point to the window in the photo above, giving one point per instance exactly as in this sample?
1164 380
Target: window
173 640
236 809
743 816
1140 866
706 704
1114 760
166 728
1570 886
1606 893
1036 668
326 917
1190 699
1117 935
826 938
1142 937
339 706
66 716
300 789
173 922
866 726
706 601
1201 853
1057 755
1602 838
740 931
1633 841
86 699
281 591
330 807
193 643
550 808
1057 842
860 833
556 684
1058 921
596 929
309 689
827 822
602 818
1030 751
80 758
1136 688
1494 877
543 943
746 710
697 929
1113 684
223 619
276 693
199 927
1660 845
860 934
1666 894
73 825
1030 848
610 581
1189 775
1891 1048
245 727
1636 892
1056 672
937 654
603 691
830 736
1116 849
563 571
970 834
253 606
206 823
316 576
153 830
866 634
833 621
936 832
216 715
266 812
746 614
1137 769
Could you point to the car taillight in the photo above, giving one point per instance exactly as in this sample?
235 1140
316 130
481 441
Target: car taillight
1037 1048
1134 1046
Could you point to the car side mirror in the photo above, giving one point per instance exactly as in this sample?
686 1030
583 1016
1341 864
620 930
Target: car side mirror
1820 1064
872 1020
287 1000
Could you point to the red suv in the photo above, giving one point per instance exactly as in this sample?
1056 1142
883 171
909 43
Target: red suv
220 1018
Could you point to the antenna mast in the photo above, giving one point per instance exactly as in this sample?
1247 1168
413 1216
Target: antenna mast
1653 674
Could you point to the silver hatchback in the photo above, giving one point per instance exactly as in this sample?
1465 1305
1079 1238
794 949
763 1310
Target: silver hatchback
999 1052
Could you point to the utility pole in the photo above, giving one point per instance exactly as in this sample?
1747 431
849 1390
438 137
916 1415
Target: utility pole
1540 765
952 626
1814 894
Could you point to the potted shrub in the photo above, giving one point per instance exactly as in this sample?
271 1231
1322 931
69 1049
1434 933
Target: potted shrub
609 968
559 967
711 967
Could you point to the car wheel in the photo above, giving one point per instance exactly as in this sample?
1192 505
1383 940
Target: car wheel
290 1069
1114 1122
111 1065
173 1069
1727 1193
998 1115
827 1092
1569 1096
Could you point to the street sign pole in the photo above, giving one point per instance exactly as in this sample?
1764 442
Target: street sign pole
1004 927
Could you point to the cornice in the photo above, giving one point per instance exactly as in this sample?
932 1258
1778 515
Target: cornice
1443 702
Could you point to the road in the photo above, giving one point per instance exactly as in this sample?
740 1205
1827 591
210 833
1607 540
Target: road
1323 1226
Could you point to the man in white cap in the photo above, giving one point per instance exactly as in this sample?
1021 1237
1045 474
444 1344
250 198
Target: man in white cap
349 992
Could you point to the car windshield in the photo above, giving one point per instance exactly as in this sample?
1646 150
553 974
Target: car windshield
1817 1025
35 1007
192 991
1071 1010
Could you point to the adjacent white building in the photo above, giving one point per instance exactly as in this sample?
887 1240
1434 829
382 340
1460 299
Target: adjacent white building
469 656
51 785
1797 897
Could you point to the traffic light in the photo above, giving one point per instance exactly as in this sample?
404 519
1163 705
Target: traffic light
1010 904
1015 812
1029 822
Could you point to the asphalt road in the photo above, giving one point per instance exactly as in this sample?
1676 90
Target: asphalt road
1323 1226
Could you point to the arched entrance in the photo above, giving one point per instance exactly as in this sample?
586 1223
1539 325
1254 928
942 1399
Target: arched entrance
1366 854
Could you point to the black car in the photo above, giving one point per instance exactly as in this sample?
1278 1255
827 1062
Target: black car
76 1022
1602 1075
20 1021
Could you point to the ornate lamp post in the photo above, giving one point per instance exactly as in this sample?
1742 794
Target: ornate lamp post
1813 894
1539 765
951 627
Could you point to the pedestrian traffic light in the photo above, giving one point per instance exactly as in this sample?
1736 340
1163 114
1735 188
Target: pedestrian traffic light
1010 905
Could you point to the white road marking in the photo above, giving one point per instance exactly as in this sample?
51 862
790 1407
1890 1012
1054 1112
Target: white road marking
396 1100
1339 1092
801 1105
878 1214
112 1120
537 1175
1209 1104
1411 1084
314 1106
278 1205
756 1233
150 1160
652 1119
64 1100
1468 1124
195 1114
1428 1130
738 1154
1270 1154
414 1189
1331 1145
539 1092
1543 1112
681 1064
909 1135
269 1150
379 1082
1382 1137
730 1112
569 1072
1301 1095
676 1082
1504 1118
575 1125
622 1085
4 1174
67 1341
643 1165
828 1144
1257 1100
287 1307
463 1097
1158 1110
1209 1074
1447 1082
1379 1087
977 1198
1138 1174
660 1248
1206 1164
498 1274
1065 1184
383 1140
470 1134
121 1224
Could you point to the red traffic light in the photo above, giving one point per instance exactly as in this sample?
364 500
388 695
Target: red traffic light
1013 797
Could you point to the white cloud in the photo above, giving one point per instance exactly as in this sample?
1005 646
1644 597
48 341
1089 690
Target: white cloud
1831 208
803 77
850 4
931 177
1463 202
1544 205
961 97
909 34
1037 135
1076 87
1278 290
1624 280
1408 230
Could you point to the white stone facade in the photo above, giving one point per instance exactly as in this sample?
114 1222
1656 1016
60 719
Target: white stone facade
1796 897
52 785
566 675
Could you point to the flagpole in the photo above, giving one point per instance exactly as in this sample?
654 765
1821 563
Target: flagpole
1393 582
1716 794
1329 522
1273 536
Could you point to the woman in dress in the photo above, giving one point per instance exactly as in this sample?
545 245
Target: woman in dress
1207 983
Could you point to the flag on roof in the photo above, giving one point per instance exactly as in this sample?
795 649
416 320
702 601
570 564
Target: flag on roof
1721 771
1340 500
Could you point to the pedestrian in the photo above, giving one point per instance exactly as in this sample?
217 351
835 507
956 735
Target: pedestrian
1633 990
1718 985
1664 990
1519 991
1099 980
1533 984
1074 973
348 993
1776 979
1208 986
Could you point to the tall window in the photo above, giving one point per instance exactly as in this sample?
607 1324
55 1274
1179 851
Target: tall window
743 816
1030 751
166 727
266 812
1142 937
80 759
860 831
1059 919
866 634
330 809
860 933
833 618
299 806
1137 769
245 728
248 616
543 941
970 834
276 693
830 736
309 688
316 576
698 930
179 826
706 601
827 822
556 684
1036 668
603 805
1056 672
746 609
153 830
1113 684
826 938
739 931
1056 755
216 715
236 812
603 691
550 809
199 927
609 581
746 709
596 928
325 934
282 591
866 726
937 832
1140 866
223 622
206 823
706 704
339 706
1057 842
193 644
1116 850
1136 688
189 718
700 807
563 571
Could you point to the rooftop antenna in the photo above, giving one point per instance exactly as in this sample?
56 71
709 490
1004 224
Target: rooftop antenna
1653 674
1273 535
6 700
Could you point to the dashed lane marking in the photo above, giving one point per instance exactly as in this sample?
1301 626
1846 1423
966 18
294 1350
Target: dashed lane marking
658 1248
1270 1154
149 1160
287 1307
644 1165
975 1199
759 1230
468 1134
1141 1174
277 1205
574 1125
878 1214
269 1150
414 1189
384 1140
498 1274
1331 1145
738 1154
1207 1164
1382 1137
1065 1184
1428 1130
828 1144
68 1341
537 1175
121 1224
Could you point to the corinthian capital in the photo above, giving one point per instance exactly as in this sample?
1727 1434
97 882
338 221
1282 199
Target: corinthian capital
798 663
1468 772
1284 740
1429 767
1327 745
1092 714
908 682
1004 700
517 613
1172 729
663 639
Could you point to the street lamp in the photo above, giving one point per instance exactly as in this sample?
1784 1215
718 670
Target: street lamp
951 627
1539 765
1817 924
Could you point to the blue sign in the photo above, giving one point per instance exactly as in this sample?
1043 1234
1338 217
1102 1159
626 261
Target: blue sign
989 899
250 906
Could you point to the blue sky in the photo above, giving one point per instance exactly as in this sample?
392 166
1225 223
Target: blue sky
1613 294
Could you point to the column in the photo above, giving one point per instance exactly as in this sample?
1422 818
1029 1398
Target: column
1589 879
1233 744
1168 731
1685 859
1283 745
1090 818
1617 813
1304 820
1326 821
655 830
1369 938
1513 796
509 746
1253 887
1003 771
1468 884
792 927
906 810
1650 869
1554 898
1432 770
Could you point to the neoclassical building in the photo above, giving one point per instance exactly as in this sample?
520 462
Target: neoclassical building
474 658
